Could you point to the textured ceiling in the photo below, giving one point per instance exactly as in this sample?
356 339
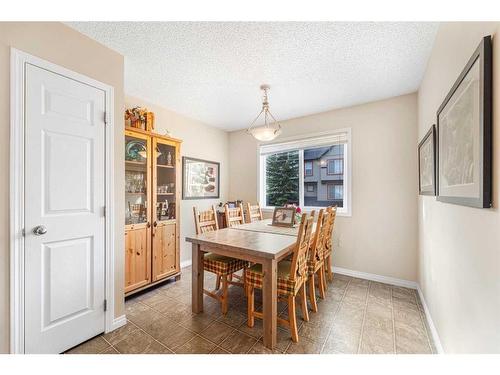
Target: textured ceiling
211 71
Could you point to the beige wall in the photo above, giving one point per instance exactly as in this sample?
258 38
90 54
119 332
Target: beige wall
381 235
64 46
198 141
459 247
457 262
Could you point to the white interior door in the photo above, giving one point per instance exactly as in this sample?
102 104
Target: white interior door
64 204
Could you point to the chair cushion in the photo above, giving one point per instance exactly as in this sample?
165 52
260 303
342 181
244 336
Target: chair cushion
222 265
313 266
254 277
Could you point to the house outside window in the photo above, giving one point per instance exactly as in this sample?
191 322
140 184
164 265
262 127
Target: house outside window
308 168
323 181
335 192
335 166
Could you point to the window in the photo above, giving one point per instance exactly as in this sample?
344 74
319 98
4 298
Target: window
339 192
335 192
282 180
335 166
308 168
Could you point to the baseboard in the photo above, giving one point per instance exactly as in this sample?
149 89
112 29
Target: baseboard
432 327
374 277
186 263
118 322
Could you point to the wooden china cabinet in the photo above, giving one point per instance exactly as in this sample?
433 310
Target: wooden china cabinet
152 207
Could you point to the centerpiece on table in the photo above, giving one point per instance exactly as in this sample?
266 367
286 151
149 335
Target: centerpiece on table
298 214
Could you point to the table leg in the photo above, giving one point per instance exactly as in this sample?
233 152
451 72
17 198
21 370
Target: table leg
270 300
197 277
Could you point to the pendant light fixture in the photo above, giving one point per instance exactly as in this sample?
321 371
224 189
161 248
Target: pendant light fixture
271 128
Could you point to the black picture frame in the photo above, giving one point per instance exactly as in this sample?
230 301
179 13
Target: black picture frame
429 136
482 54
185 195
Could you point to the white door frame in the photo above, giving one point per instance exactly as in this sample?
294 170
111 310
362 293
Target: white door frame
17 84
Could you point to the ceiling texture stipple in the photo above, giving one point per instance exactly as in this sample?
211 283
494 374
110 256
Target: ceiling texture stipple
211 71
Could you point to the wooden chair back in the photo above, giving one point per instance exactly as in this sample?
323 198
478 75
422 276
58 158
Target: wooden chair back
254 213
298 268
327 245
234 216
312 214
205 221
316 250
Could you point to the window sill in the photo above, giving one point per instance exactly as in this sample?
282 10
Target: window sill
308 210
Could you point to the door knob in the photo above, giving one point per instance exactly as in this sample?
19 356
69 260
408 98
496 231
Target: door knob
39 230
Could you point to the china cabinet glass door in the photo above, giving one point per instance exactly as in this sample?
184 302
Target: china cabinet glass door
137 210
165 180
137 166
165 171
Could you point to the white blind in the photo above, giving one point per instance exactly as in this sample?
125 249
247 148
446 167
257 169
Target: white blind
311 142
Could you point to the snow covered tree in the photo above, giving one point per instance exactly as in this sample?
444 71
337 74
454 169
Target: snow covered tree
282 178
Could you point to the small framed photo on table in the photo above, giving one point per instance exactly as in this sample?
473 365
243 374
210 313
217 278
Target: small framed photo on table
284 216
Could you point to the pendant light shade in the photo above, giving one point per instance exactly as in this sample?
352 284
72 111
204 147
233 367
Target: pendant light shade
264 133
271 128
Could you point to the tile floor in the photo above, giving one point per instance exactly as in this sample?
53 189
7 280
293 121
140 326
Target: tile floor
358 316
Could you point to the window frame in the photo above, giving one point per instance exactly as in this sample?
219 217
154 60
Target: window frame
341 189
312 168
333 160
328 186
333 198
300 143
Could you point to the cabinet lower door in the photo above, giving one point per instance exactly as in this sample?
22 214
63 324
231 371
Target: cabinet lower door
164 251
137 258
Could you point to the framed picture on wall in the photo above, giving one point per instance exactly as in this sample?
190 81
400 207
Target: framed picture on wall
427 163
200 179
464 134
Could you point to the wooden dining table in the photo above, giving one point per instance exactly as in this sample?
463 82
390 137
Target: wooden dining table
257 242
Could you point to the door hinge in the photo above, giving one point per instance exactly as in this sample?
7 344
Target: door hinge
105 118
104 211
105 305
23 232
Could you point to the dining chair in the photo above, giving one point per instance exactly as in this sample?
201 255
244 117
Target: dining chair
234 216
328 247
315 261
254 212
312 213
222 266
292 276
